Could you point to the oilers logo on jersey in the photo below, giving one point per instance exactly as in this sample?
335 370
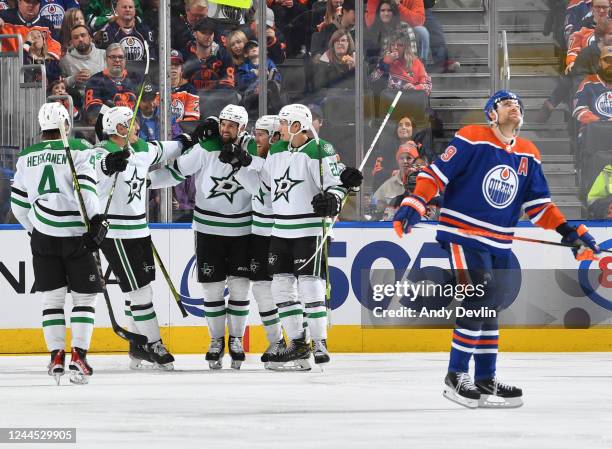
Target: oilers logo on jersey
499 186
54 13
603 104
133 48
177 108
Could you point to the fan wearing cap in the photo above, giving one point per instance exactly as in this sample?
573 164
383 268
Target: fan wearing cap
148 114
248 72
593 101
208 65
275 41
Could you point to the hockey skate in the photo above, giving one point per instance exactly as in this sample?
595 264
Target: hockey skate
80 371
56 365
274 348
236 351
320 352
139 354
162 359
459 388
295 357
495 394
214 356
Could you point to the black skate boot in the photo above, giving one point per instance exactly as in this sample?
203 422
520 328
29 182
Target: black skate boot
56 366
319 349
459 388
214 356
495 394
274 348
236 351
80 371
160 356
294 357
139 354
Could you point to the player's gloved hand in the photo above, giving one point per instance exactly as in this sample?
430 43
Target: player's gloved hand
235 156
243 158
98 227
207 129
227 154
412 208
115 162
325 204
585 246
351 178
186 140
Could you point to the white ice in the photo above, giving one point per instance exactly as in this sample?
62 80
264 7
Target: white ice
359 401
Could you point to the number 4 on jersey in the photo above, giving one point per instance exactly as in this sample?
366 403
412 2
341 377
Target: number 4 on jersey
47 181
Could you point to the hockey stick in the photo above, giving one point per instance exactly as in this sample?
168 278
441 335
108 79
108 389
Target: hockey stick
324 254
361 166
121 332
495 235
162 267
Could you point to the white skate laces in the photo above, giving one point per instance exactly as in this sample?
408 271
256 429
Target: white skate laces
465 381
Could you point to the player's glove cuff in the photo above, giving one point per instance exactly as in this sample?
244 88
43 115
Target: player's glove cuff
415 202
585 246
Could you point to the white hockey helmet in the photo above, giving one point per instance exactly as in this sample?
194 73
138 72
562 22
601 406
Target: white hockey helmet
297 113
269 123
119 115
236 114
51 115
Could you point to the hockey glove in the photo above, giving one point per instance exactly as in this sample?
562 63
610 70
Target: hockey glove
235 156
412 208
115 162
585 246
186 140
207 129
351 178
98 227
325 204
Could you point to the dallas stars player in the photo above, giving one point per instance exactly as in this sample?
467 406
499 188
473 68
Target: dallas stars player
44 202
128 244
222 220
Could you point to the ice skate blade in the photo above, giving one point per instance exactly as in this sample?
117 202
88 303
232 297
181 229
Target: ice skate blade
450 394
57 378
77 378
492 401
164 367
215 365
321 360
294 365
236 364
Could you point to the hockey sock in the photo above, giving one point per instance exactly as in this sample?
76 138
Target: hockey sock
214 308
143 313
131 324
237 305
82 318
262 291
289 308
485 353
465 339
311 290
53 319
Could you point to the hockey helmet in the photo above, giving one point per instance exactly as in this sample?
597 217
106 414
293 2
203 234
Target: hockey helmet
269 123
119 115
296 113
51 115
236 114
491 105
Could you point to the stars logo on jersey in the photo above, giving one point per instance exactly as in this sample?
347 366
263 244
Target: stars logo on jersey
207 270
225 186
284 184
260 196
135 184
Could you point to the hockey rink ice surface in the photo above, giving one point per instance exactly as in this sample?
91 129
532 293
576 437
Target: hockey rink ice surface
359 401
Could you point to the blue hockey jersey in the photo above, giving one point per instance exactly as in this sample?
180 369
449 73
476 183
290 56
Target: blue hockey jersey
54 10
487 186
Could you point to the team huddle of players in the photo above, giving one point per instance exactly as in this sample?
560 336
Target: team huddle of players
270 193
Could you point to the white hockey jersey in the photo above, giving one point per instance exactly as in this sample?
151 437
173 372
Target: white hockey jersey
43 196
223 205
127 215
292 176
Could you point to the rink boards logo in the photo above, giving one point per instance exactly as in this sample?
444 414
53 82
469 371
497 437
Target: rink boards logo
500 186
133 48
603 104
597 283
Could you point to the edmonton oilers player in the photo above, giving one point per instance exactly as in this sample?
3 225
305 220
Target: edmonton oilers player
489 177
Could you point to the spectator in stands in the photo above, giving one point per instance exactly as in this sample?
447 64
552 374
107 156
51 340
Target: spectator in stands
128 32
437 42
600 11
275 41
317 117
54 10
593 100
336 68
291 19
82 60
248 79
35 51
148 114
400 69
112 85
57 88
588 59
386 24
599 198
185 105
182 26
345 21
577 11
208 65
101 12
236 42
411 12
150 17
74 16
22 19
